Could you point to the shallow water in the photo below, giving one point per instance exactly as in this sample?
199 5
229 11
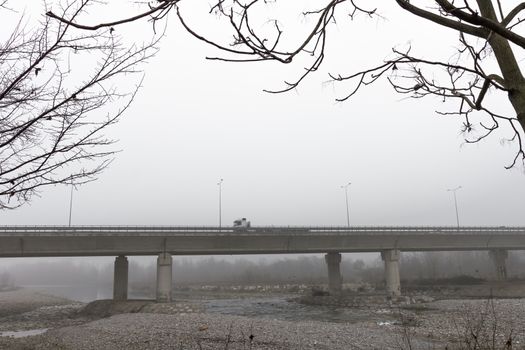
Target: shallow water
21 334
80 293
269 307
281 309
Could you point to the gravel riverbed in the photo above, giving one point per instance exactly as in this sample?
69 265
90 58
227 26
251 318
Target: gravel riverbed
140 325
206 331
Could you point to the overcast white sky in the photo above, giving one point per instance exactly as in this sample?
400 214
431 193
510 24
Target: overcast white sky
284 157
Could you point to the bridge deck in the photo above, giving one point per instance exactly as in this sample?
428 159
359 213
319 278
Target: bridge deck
35 241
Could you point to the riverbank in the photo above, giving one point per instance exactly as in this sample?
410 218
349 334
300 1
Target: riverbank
190 325
19 300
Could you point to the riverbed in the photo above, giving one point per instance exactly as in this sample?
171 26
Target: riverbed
255 322
255 304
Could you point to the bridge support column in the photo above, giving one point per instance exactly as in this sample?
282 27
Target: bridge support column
164 277
120 278
335 281
499 257
391 259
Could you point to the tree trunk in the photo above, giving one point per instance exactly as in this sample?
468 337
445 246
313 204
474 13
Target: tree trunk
509 67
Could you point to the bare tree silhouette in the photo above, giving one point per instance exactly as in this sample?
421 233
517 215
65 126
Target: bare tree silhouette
488 41
58 95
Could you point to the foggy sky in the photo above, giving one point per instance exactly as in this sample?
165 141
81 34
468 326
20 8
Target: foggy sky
284 157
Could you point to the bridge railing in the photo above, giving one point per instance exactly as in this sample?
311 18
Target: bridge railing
119 229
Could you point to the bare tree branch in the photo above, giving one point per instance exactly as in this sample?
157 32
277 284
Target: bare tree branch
54 111
485 61
164 5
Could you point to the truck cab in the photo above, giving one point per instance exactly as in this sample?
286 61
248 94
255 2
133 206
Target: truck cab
241 224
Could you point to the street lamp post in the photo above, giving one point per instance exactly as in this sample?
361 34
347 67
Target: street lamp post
220 202
71 203
453 190
345 187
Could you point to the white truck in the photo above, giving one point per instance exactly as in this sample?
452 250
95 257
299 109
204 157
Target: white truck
241 224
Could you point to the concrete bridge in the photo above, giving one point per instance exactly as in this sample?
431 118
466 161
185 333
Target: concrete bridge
165 241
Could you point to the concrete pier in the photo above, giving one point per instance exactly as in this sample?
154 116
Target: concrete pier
391 259
335 280
499 257
120 278
164 277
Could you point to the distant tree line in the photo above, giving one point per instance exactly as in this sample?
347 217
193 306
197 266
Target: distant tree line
305 269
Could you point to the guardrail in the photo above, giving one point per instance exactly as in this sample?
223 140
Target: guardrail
261 229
